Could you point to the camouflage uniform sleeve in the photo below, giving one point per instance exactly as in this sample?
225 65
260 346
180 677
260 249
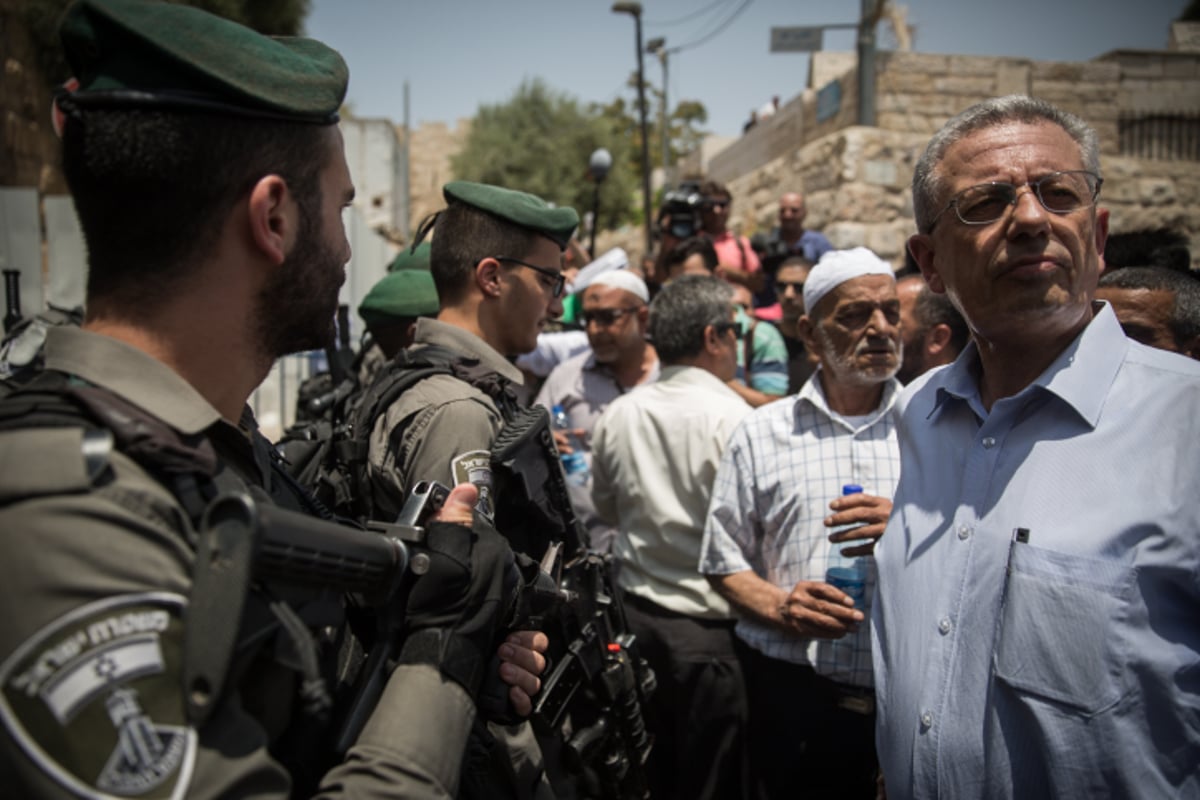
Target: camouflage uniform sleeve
442 429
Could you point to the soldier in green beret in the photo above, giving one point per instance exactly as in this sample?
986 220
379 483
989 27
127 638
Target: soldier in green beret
138 656
496 260
391 310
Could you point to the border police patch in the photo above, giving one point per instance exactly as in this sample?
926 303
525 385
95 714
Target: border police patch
475 467
94 699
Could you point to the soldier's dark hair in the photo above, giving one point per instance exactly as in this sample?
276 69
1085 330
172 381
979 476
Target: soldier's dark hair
696 245
153 189
1184 322
462 237
1160 247
681 312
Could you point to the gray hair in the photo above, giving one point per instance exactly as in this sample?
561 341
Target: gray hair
681 312
927 186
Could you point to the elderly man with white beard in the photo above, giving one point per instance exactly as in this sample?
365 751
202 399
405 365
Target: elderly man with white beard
778 521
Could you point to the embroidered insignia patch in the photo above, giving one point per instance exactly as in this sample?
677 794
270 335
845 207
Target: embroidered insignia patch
93 698
475 467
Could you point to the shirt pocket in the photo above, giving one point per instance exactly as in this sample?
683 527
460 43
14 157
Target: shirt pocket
1061 626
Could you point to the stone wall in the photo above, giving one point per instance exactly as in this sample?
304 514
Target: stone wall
28 147
432 146
857 179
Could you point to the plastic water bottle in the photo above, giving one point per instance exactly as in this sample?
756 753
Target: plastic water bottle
848 574
574 463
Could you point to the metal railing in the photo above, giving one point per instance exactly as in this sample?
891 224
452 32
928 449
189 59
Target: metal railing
1163 136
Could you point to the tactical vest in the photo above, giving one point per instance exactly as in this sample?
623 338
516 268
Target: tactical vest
191 468
329 457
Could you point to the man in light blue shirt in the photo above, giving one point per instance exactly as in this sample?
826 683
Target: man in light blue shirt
1037 618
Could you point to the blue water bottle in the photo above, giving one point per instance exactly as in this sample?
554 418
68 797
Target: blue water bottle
848 574
574 463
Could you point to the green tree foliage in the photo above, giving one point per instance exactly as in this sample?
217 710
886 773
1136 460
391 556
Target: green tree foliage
272 17
684 120
539 141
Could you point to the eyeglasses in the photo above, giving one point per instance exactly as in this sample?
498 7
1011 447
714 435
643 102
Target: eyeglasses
722 328
559 282
603 316
1058 192
783 286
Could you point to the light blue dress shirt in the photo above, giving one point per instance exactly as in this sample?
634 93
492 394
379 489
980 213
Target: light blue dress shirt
1036 630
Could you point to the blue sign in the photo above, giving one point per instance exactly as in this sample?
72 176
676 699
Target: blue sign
829 100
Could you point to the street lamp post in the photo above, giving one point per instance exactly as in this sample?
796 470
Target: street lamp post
635 10
659 46
598 166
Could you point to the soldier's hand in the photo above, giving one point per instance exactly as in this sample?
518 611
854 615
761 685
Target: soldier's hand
817 610
460 505
465 586
868 512
521 662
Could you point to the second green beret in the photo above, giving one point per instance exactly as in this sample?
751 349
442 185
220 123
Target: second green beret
406 293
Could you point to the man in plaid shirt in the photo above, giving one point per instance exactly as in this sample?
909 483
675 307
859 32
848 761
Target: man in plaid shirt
805 645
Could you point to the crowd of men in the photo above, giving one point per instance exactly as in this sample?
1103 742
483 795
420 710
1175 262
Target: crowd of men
839 531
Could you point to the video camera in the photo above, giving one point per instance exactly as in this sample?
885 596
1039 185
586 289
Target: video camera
679 214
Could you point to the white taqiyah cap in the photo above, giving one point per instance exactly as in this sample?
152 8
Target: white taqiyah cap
838 266
623 279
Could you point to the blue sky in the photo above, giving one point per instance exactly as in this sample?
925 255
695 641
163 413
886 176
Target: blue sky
459 54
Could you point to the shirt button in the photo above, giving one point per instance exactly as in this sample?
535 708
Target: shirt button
944 625
964 532
989 442
926 720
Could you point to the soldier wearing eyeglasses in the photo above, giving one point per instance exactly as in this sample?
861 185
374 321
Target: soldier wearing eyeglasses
1035 626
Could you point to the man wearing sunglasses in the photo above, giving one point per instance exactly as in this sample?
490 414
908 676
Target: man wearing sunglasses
496 260
1035 627
615 315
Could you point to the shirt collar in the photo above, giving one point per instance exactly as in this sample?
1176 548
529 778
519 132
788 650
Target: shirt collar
813 393
431 331
1100 348
132 374
694 376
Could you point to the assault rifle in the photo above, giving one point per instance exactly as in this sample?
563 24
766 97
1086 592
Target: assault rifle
592 701
377 566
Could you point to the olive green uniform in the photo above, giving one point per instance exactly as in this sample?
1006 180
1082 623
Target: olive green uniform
442 428
95 578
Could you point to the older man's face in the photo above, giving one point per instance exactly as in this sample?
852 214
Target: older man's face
855 331
1031 271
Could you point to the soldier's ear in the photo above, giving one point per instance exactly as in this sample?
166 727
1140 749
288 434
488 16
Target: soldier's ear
273 218
487 276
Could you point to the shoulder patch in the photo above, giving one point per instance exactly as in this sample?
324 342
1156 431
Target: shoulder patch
475 466
93 698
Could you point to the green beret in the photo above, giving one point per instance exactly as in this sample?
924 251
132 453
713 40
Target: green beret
132 53
405 293
410 258
519 208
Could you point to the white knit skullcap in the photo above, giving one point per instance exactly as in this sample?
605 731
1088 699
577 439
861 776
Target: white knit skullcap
623 279
838 266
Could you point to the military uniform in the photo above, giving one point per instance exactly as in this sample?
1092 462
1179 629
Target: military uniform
97 577
442 428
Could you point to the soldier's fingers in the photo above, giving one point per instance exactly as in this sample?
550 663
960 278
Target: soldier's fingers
534 640
460 505
521 702
524 658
